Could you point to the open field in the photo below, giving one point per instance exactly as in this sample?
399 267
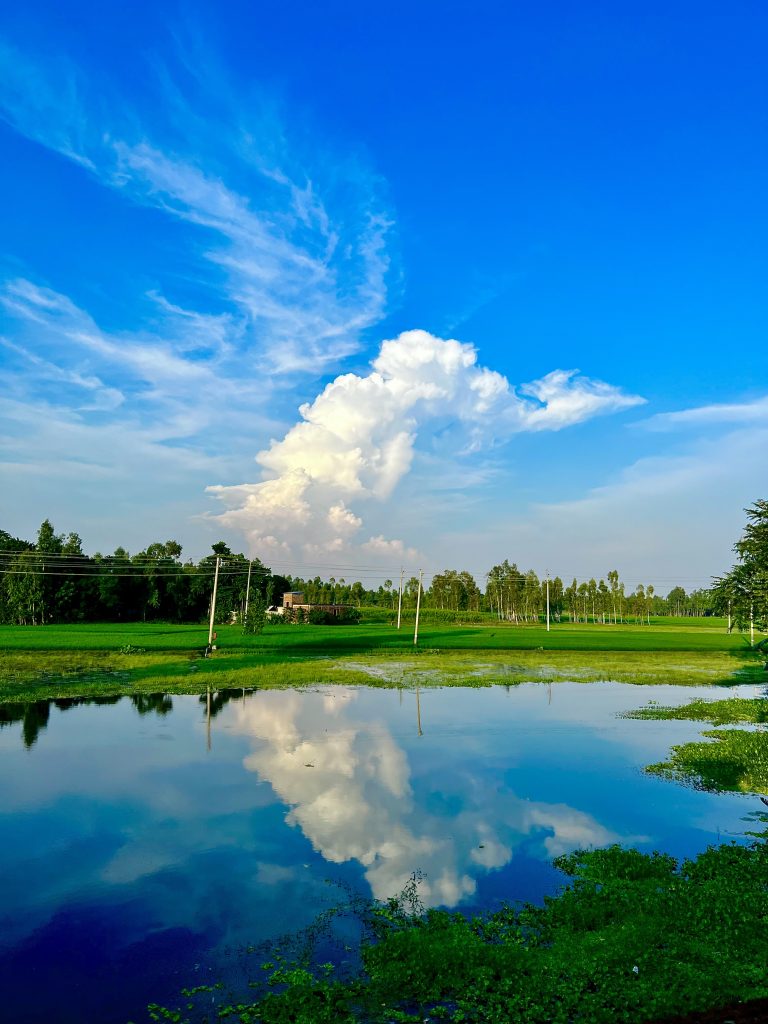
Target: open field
663 634
75 660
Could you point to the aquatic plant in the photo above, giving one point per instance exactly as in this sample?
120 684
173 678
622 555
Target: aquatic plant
733 760
633 937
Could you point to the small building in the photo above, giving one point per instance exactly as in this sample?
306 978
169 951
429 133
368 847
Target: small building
294 601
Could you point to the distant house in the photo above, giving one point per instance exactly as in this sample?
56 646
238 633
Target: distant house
294 601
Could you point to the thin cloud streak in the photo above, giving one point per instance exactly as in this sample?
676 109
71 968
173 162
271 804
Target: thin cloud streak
755 411
666 520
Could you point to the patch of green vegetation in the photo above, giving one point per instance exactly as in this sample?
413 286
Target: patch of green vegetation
33 675
633 937
718 712
472 668
734 761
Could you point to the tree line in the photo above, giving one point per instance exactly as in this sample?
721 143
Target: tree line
52 580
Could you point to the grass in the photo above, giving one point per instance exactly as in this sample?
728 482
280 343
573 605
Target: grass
663 634
108 659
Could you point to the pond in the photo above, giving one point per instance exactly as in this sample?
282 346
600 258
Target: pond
147 841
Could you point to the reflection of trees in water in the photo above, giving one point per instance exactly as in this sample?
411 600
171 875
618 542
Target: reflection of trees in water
34 715
149 703
220 698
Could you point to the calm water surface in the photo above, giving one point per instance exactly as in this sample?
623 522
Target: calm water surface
144 842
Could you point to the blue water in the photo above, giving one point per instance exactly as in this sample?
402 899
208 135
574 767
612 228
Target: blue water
145 843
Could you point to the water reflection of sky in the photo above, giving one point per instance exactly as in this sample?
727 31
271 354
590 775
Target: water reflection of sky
130 847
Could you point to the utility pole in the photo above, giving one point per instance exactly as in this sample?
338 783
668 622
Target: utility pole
247 591
400 598
730 626
547 600
751 624
213 601
418 606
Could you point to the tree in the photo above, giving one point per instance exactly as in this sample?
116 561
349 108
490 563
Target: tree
616 593
256 617
676 601
744 590
24 592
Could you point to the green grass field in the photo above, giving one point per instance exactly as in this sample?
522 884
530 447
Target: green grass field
75 660
663 634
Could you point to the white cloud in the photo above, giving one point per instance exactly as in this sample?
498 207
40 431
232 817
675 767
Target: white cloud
392 550
356 440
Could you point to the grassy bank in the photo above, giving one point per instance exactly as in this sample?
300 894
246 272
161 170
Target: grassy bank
110 659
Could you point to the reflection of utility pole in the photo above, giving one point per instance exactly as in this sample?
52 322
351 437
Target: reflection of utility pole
418 711
418 606
549 697
208 716
213 601
400 598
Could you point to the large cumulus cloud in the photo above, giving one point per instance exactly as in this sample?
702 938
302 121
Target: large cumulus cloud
357 439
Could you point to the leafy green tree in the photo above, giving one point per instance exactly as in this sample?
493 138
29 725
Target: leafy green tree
255 617
25 596
744 590
676 601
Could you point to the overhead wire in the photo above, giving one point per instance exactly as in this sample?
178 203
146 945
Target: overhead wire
303 567
62 564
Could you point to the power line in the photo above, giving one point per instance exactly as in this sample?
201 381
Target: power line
62 564
303 567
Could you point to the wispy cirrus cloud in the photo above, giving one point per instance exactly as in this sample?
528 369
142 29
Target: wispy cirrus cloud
44 103
301 279
268 267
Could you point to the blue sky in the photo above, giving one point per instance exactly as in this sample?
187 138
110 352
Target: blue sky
412 224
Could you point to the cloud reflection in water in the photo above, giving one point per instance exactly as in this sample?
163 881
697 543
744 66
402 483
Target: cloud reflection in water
350 790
